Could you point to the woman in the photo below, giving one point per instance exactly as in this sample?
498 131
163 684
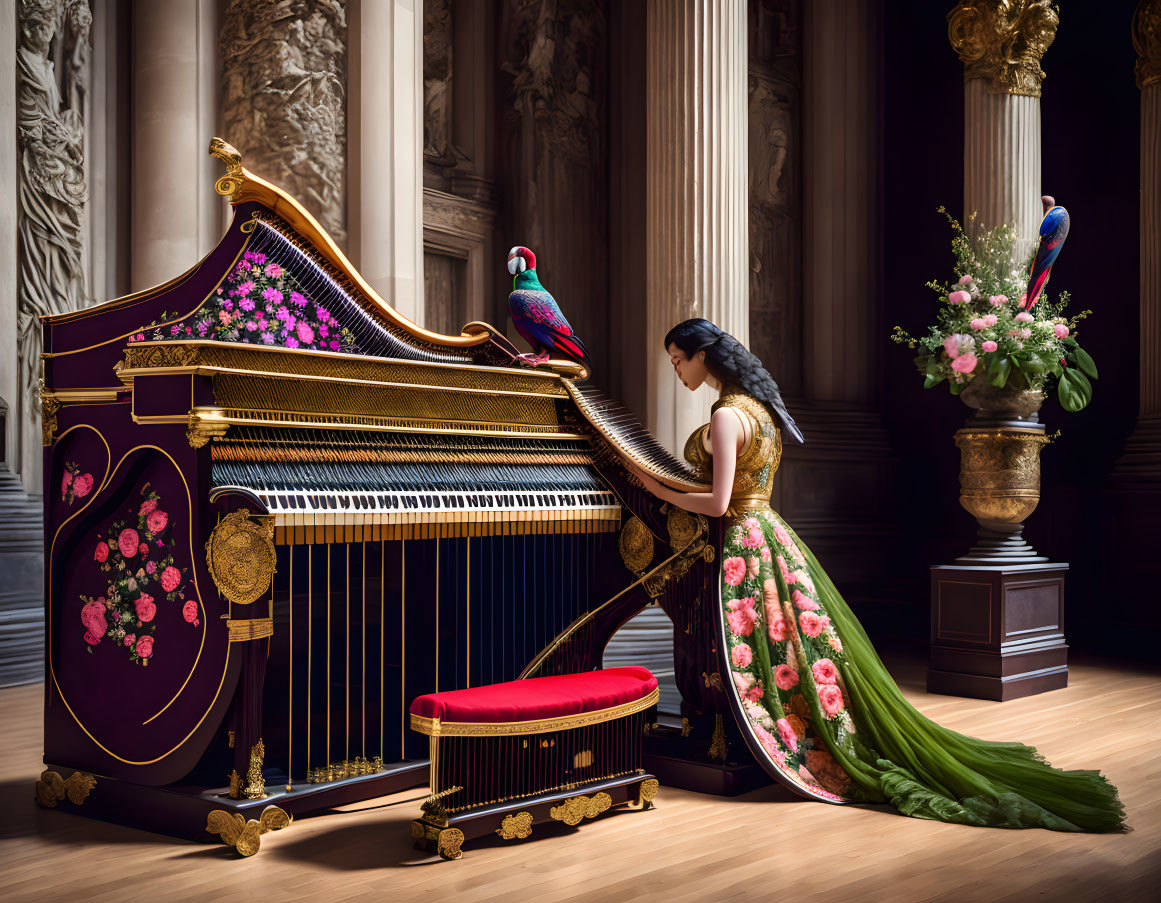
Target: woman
815 699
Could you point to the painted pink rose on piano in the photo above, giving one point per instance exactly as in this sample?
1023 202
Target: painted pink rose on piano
141 580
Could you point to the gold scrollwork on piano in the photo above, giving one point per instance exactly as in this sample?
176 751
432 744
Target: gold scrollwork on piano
636 544
247 629
51 788
49 408
235 175
516 826
204 425
240 556
575 808
337 771
244 835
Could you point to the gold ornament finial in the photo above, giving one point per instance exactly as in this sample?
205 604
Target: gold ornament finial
235 174
1003 41
1147 42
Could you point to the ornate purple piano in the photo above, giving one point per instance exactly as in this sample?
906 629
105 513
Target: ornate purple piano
276 512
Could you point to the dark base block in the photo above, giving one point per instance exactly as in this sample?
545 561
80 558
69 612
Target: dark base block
1001 689
997 631
184 811
682 762
515 819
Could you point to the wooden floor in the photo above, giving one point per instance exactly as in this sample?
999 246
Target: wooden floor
765 845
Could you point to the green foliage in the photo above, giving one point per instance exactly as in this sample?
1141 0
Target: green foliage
1027 352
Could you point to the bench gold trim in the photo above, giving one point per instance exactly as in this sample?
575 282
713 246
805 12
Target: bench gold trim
433 727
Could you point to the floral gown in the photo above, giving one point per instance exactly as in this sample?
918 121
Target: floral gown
820 711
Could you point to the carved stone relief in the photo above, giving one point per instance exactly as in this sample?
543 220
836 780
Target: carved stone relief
52 64
554 54
283 98
437 77
775 189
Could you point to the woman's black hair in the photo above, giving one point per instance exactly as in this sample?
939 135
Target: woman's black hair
731 362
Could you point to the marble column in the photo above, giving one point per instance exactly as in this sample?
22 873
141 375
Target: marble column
697 229
385 149
1140 466
176 215
1001 44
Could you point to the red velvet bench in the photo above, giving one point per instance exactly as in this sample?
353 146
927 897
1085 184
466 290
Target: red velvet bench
505 757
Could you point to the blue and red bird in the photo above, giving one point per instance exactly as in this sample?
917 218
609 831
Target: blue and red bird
536 315
1053 232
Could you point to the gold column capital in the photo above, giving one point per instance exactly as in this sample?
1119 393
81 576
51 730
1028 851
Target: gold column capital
1003 40
1147 42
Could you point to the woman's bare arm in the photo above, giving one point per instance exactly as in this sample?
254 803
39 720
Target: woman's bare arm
725 432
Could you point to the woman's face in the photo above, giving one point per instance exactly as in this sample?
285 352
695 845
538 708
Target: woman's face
690 370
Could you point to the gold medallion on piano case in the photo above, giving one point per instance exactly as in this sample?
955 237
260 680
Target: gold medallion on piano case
240 556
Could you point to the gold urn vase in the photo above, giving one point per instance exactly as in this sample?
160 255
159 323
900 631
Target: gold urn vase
999 474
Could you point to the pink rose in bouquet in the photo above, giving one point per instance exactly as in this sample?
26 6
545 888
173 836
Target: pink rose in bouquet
170 578
741 616
127 542
101 553
144 647
156 521
824 671
810 623
831 699
189 611
130 639
147 506
145 608
741 655
735 570
82 484
93 617
785 677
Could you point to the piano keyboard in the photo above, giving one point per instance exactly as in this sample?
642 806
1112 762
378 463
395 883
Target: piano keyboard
308 517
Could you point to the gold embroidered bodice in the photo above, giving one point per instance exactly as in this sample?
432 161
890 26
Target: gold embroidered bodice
757 461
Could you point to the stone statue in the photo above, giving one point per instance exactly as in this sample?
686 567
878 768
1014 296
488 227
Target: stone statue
283 96
51 137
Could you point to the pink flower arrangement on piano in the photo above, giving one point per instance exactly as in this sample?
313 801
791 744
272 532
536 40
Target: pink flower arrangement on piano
74 484
137 555
989 328
259 303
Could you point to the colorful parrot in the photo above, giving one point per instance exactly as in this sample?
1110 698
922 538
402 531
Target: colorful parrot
1053 232
536 315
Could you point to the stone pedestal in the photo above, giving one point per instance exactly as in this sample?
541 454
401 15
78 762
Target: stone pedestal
997 632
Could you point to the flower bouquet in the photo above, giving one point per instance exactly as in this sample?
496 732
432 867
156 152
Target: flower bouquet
982 332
